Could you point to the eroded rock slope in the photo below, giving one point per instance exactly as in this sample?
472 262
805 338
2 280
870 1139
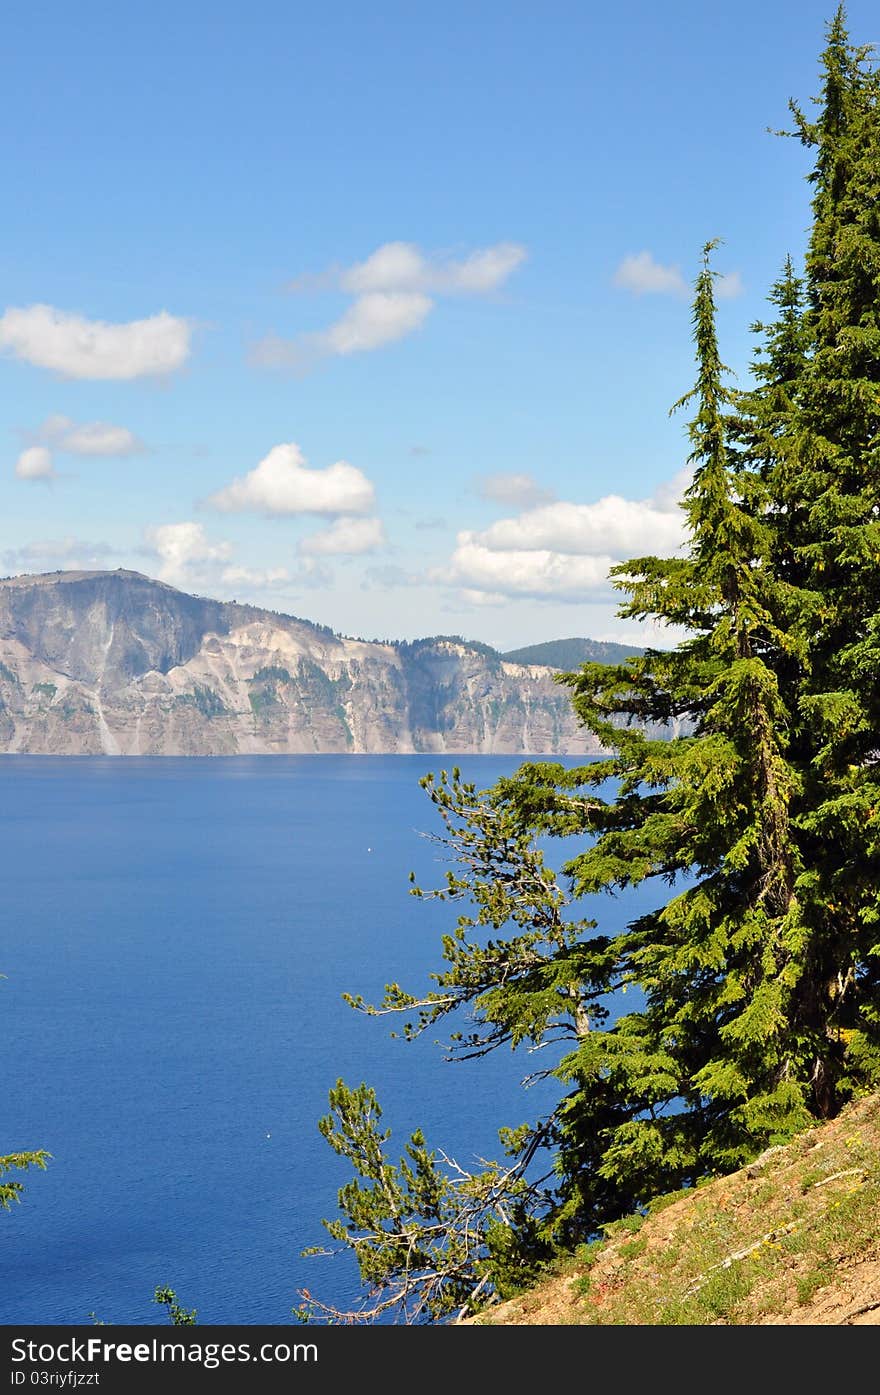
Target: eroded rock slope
115 663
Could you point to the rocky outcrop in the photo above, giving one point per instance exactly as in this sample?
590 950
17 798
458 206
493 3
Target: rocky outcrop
115 663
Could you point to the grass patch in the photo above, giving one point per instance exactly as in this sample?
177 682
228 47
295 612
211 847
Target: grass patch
808 1285
633 1248
742 1249
627 1225
660 1203
586 1255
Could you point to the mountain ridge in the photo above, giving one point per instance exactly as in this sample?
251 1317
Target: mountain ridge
117 663
565 655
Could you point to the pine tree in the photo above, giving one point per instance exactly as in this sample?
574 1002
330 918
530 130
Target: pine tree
706 1066
19 1162
824 476
753 981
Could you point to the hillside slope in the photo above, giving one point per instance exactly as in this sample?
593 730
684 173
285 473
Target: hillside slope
792 1239
566 655
115 663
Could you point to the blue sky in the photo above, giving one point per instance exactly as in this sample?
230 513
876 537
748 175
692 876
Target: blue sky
373 314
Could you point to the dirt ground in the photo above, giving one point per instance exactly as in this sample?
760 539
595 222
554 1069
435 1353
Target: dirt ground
794 1238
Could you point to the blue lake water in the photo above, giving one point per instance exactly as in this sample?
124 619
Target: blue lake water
177 937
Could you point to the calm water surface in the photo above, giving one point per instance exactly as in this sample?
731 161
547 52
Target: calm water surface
177 937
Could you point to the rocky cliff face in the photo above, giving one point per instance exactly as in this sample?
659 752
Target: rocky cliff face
114 663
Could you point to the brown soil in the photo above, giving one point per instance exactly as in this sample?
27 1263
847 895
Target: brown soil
794 1238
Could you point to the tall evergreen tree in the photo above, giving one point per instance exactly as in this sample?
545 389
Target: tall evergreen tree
753 981
824 476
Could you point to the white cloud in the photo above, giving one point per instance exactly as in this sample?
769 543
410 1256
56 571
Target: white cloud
372 320
395 266
369 322
93 349
401 266
394 292
98 438
563 550
729 285
190 559
93 438
517 490
345 537
282 483
181 545
482 271
35 463
279 582
641 274
668 494
537 574
612 525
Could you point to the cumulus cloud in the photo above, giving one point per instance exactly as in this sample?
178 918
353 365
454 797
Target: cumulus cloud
539 574
283 483
564 550
667 495
640 273
75 347
350 537
278 580
35 463
189 558
369 322
60 433
513 490
180 546
401 266
98 438
610 526
394 291
643 275
372 320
